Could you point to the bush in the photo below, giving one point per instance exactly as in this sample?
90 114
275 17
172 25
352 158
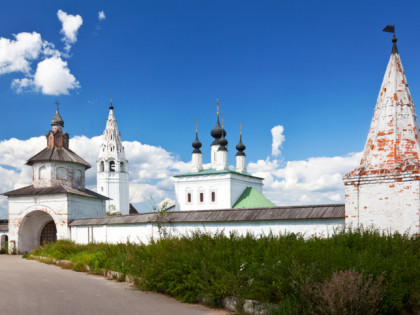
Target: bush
362 271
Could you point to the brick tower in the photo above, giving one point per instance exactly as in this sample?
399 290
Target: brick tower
384 190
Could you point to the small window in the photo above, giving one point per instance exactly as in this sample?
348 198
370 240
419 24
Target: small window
61 173
213 196
189 197
122 166
101 166
112 166
201 197
102 189
42 172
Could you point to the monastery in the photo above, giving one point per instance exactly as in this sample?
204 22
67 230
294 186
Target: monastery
384 191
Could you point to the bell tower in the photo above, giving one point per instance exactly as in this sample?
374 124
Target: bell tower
112 168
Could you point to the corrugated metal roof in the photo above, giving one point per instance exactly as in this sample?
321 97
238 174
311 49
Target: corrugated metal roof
252 198
58 189
4 227
335 211
59 155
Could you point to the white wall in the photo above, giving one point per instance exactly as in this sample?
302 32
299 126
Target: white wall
227 186
144 232
390 205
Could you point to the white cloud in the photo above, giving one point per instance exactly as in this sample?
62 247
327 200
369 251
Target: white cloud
52 77
312 181
16 55
278 139
70 26
101 15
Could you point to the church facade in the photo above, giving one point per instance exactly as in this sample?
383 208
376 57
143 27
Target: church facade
218 187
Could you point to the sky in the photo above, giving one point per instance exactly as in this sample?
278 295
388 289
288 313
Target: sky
301 76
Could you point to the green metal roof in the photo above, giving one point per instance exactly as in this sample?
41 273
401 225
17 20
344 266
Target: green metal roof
212 171
252 198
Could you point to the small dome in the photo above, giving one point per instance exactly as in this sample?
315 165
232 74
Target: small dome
223 142
240 147
57 120
196 144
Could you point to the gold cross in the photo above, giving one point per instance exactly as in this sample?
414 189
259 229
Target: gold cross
240 128
111 97
57 103
196 125
217 103
223 120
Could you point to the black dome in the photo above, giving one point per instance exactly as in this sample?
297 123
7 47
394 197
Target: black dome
217 132
240 147
196 144
223 142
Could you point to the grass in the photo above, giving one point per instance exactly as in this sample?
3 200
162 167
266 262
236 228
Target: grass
355 272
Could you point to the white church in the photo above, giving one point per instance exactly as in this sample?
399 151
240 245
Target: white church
384 191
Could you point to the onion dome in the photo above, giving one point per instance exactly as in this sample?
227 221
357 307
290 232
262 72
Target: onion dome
240 147
222 141
57 120
196 144
217 132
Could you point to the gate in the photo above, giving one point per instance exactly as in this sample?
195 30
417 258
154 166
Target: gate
49 233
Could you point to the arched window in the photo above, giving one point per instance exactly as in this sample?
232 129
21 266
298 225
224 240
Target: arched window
112 166
213 196
78 177
61 173
122 166
101 166
42 172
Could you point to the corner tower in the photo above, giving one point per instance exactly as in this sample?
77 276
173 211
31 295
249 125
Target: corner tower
384 190
112 168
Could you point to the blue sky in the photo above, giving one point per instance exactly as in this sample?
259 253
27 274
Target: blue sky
313 67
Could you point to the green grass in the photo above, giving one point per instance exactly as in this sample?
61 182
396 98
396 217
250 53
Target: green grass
298 275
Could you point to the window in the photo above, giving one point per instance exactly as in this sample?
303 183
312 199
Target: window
101 166
78 178
112 166
61 173
201 197
213 196
102 189
42 172
122 166
189 197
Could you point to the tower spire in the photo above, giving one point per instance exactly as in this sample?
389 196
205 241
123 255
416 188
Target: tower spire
111 106
393 140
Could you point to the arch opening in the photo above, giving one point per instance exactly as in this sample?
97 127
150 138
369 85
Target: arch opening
37 226
112 166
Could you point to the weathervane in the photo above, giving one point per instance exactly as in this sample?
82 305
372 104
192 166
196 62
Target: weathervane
389 29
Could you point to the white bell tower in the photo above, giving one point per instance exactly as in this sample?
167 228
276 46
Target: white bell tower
112 168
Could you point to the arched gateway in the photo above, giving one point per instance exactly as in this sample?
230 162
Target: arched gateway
36 228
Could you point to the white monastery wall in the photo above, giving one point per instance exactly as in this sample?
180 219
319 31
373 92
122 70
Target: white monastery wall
388 204
144 232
